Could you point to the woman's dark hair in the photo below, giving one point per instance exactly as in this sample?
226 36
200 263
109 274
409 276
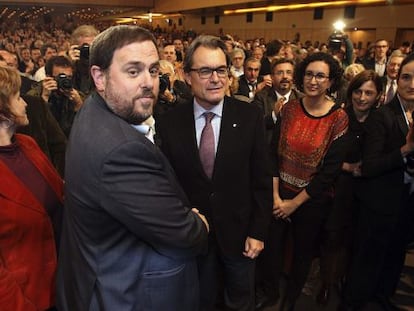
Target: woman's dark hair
335 70
406 60
361 78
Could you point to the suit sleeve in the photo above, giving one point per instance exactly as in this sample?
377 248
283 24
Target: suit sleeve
261 183
11 295
331 164
376 160
139 189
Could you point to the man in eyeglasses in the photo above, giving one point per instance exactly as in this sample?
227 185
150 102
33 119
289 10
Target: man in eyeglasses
379 62
216 144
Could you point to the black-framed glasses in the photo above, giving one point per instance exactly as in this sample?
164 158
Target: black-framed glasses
319 77
206 72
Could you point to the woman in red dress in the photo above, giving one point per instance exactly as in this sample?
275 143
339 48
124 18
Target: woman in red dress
31 194
308 154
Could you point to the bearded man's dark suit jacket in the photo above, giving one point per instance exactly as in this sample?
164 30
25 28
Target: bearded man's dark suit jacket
129 238
376 264
266 99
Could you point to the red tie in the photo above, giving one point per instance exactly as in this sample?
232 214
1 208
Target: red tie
207 146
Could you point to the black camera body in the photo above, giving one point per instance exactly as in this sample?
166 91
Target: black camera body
164 83
335 40
64 82
84 51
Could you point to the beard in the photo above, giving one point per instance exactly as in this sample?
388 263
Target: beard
130 109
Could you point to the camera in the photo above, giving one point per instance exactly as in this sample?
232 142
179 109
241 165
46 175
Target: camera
335 40
64 82
164 82
84 51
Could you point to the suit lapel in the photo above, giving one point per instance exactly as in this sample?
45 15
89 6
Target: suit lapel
396 108
229 129
20 194
187 133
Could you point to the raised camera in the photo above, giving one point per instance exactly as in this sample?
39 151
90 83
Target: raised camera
335 40
84 51
64 82
164 83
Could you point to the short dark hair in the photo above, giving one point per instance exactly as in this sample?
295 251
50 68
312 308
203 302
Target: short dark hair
44 48
207 41
335 70
58 61
361 78
114 38
273 47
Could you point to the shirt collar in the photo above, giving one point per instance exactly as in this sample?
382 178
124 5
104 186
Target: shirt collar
198 110
287 95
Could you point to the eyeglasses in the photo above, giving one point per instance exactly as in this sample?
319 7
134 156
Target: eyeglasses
319 77
206 73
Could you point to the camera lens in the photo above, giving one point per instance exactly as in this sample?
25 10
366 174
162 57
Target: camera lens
64 82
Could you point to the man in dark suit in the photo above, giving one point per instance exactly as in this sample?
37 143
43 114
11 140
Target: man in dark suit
272 98
379 62
250 82
217 147
389 80
129 236
387 199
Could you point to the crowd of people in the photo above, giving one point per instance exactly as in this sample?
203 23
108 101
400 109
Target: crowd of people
145 170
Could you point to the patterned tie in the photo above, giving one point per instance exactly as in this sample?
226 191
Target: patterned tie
207 146
390 92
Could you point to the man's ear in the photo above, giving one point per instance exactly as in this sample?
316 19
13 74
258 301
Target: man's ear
99 78
187 78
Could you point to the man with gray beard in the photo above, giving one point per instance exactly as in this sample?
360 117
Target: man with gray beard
129 236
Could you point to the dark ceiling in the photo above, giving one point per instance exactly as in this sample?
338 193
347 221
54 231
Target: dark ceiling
12 12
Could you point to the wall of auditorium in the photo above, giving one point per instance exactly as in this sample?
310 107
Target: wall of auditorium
392 22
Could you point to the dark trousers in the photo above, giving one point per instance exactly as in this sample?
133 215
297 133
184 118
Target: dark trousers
226 282
395 255
379 252
305 225
371 242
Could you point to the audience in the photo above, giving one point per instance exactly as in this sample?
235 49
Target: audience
266 81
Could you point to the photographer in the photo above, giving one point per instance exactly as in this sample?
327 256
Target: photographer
172 90
81 39
341 47
58 91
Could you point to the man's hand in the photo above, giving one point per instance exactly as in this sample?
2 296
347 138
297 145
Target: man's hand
49 85
74 53
278 105
74 96
267 81
252 247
